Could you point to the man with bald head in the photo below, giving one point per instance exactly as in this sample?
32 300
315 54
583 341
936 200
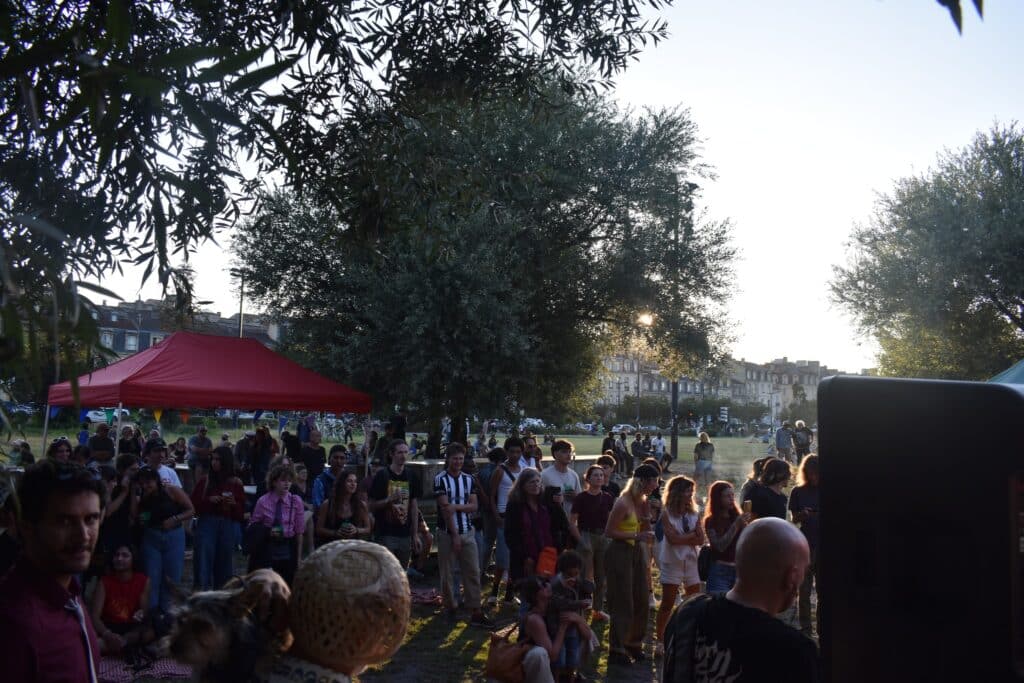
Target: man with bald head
735 636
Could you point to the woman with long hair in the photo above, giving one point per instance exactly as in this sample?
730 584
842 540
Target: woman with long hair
529 525
723 523
283 515
768 499
345 515
628 601
161 511
677 550
753 478
803 505
219 500
544 646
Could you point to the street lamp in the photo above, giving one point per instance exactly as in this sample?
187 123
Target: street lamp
236 272
645 320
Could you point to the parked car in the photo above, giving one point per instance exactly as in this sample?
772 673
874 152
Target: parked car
532 424
627 428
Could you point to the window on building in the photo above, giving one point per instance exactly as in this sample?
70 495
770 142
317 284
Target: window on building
131 341
113 317
107 339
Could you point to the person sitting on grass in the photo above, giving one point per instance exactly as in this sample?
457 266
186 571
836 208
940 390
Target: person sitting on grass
571 594
533 629
119 605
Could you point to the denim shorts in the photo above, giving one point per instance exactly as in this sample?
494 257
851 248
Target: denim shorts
721 577
702 467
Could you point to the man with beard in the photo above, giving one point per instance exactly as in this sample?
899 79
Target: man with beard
45 632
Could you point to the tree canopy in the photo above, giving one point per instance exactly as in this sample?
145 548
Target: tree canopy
935 275
481 255
124 122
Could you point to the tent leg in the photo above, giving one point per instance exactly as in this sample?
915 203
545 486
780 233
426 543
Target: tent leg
46 428
117 436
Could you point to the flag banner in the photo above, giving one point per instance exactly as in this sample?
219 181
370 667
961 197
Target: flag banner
184 416
157 413
109 412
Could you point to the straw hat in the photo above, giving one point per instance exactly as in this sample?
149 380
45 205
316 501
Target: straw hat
349 607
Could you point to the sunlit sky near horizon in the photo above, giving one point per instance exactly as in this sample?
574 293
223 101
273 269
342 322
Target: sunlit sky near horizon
807 109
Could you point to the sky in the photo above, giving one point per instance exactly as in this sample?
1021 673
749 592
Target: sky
808 110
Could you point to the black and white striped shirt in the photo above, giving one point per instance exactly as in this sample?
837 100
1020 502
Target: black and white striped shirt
458 490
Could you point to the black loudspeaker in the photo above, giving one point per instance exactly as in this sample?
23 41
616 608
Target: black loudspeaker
921 562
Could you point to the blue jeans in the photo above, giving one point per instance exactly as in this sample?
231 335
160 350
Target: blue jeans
501 550
569 657
721 577
215 541
163 558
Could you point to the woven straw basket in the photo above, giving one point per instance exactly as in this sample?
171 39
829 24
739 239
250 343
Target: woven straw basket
350 605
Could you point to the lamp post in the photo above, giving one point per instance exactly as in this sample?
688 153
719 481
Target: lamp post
241 297
645 320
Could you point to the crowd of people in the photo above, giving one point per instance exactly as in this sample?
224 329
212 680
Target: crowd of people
567 552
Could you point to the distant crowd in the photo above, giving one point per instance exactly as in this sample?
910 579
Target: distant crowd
563 552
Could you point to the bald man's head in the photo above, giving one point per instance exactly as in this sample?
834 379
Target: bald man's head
771 559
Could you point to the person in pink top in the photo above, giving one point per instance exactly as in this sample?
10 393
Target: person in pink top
281 512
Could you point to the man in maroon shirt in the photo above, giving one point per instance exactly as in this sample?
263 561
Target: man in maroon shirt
45 633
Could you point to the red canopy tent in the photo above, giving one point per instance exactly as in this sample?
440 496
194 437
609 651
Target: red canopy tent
189 370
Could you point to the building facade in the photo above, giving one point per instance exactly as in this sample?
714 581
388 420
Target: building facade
774 385
132 326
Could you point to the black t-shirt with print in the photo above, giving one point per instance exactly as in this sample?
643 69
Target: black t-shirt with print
387 522
713 640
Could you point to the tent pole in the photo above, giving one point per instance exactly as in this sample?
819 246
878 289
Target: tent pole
117 437
46 428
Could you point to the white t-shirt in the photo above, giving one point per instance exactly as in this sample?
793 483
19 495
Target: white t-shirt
169 476
659 445
567 481
675 555
527 462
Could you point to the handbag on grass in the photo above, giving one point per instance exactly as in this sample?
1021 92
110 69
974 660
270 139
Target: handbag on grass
505 659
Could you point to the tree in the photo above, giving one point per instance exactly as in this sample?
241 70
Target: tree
528 231
940 260
124 122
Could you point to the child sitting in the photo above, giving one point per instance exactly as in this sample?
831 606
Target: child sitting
570 593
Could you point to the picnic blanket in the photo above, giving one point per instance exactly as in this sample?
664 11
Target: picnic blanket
116 670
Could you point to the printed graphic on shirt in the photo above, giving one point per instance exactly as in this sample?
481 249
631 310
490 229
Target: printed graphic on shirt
400 510
712 665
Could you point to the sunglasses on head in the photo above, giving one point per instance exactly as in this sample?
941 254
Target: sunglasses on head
59 439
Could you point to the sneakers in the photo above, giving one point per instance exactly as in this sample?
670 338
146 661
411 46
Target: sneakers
480 620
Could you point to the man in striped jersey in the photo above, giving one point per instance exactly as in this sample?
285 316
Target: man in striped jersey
456 502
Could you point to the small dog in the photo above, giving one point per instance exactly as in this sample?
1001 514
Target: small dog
226 635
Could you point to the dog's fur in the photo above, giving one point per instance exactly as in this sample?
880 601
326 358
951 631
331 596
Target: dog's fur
226 635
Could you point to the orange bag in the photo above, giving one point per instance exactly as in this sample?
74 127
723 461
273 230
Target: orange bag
547 561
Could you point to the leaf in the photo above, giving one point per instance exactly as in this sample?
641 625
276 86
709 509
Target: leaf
96 288
40 225
145 86
186 56
119 23
195 114
230 65
260 76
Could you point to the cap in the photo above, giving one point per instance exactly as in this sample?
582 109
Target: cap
646 472
154 445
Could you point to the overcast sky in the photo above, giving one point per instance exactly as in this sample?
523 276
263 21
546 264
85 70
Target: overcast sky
808 109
